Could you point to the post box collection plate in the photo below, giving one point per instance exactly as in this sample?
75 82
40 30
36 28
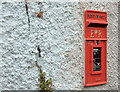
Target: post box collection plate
95 47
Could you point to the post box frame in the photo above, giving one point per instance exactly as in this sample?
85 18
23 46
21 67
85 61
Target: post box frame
101 75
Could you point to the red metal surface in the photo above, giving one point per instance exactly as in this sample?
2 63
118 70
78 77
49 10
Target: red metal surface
95 29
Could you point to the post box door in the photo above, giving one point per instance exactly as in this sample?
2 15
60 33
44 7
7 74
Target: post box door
95 67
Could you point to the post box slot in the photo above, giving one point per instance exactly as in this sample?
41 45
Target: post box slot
97 25
97 59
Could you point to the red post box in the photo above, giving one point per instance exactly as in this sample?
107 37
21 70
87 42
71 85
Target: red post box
95 47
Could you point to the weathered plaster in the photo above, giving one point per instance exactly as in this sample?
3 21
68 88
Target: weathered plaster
60 35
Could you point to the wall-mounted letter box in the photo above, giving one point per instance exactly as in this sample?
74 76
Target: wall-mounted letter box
95 47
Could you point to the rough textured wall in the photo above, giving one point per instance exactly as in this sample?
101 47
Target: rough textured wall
60 35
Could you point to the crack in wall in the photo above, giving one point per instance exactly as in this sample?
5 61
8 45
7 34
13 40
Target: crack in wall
27 14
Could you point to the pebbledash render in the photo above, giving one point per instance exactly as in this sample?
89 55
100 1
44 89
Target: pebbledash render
60 35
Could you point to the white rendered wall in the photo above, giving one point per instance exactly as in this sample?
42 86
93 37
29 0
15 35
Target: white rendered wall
60 35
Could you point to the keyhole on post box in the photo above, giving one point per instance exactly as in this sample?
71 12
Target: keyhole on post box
97 42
